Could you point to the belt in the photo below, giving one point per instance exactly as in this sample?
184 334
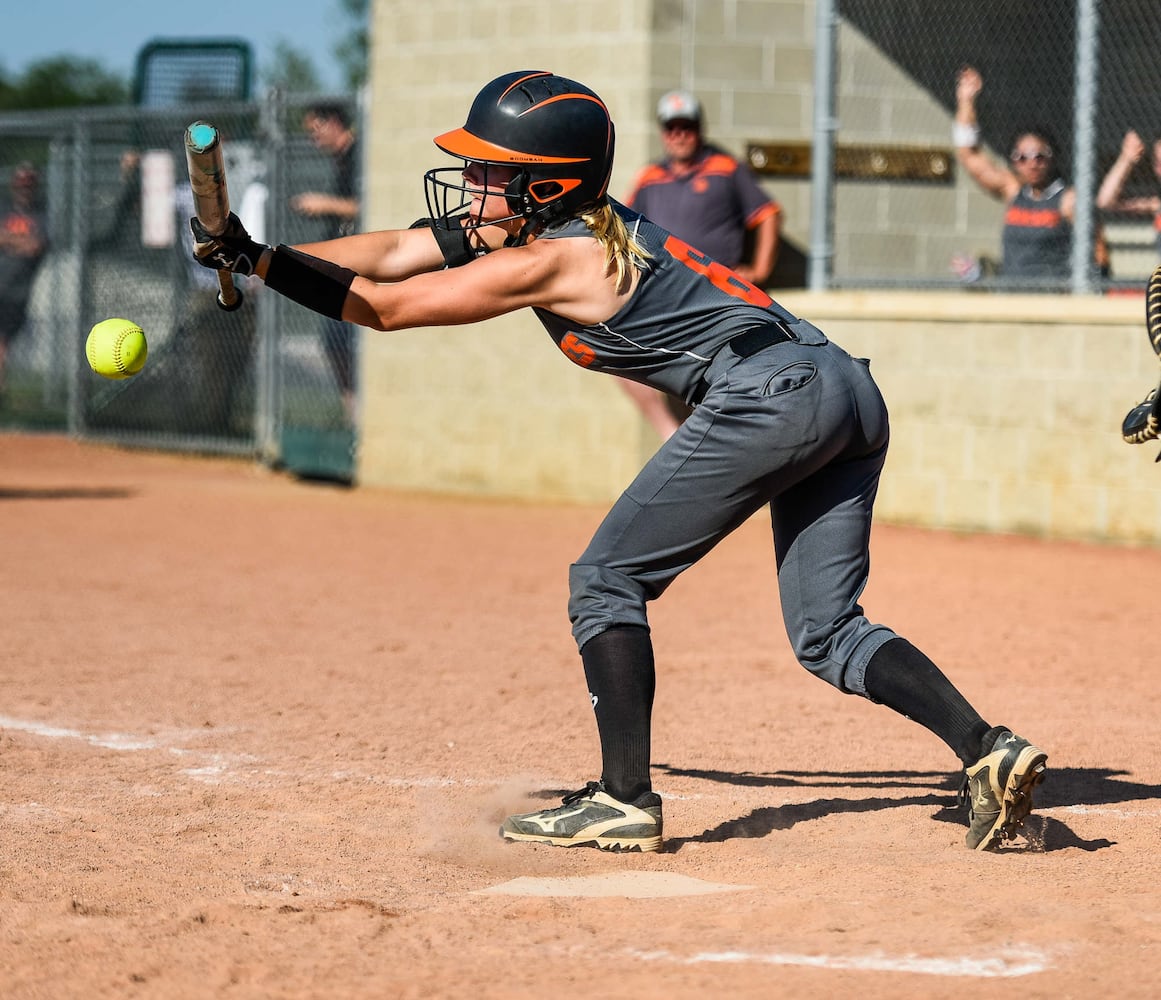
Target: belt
746 345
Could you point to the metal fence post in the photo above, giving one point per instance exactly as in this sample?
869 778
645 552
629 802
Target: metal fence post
267 409
79 208
1084 143
822 158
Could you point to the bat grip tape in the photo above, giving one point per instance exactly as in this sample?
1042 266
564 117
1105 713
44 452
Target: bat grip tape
310 281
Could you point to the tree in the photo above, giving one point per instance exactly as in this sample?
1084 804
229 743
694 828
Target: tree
352 51
290 71
62 82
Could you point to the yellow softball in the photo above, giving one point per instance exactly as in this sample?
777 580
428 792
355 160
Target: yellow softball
116 348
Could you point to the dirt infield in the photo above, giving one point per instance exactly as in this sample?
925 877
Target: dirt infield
256 736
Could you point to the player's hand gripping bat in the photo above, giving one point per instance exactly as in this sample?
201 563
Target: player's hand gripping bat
1143 422
207 179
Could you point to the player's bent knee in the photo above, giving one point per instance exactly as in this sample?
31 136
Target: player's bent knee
600 598
840 657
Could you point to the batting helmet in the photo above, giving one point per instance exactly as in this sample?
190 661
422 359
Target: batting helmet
555 131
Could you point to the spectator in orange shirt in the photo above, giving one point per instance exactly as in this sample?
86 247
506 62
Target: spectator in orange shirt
709 199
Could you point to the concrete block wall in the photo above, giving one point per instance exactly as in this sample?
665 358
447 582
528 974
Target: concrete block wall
494 409
1006 409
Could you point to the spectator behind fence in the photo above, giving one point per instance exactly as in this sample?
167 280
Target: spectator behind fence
329 128
221 345
709 199
23 241
1109 197
1037 234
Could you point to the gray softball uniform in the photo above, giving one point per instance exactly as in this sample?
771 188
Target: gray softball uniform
782 416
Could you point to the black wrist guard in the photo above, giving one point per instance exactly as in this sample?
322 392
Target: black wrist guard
452 238
310 281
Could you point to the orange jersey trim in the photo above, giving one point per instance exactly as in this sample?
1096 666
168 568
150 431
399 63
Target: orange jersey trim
720 164
646 177
761 214
1033 218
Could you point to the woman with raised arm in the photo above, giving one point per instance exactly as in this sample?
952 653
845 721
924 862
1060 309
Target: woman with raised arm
1040 208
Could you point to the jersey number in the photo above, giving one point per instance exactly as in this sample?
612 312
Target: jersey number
720 276
577 351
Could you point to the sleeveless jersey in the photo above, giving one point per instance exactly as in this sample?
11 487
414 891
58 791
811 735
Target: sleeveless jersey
1037 238
686 307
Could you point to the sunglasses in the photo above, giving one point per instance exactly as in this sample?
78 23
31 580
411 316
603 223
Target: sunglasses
1038 157
679 125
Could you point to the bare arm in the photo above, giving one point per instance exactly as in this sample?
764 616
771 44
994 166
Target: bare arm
316 203
765 254
991 177
568 277
1109 198
387 255
654 407
394 254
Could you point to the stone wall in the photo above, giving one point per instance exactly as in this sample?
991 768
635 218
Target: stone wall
1006 409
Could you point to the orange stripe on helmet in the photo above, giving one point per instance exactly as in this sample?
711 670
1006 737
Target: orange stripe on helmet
536 74
460 142
564 97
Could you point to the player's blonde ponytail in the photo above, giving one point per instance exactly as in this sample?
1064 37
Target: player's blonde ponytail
622 252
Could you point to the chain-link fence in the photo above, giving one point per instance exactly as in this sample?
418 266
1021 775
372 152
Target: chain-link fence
892 204
114 200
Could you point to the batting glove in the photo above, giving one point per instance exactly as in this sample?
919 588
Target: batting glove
231 250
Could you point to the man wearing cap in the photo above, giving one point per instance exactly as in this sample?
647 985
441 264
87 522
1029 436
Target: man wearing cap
704 196
708 199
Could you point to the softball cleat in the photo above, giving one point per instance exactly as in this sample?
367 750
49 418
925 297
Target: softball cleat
591 817
998 788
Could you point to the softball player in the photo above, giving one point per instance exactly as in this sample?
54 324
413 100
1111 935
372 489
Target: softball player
783 417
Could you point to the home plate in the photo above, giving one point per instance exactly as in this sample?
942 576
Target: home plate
634 885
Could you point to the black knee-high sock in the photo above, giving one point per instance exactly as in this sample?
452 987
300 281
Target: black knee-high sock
904 679
619 670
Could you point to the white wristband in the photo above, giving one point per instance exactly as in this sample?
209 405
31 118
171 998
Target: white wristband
963 134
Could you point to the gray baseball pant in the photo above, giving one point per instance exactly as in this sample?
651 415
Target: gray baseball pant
800 426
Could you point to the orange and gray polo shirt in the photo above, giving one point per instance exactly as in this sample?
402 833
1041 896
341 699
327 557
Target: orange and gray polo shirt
711 208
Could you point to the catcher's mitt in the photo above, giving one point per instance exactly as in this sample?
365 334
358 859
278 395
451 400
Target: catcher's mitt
1143 421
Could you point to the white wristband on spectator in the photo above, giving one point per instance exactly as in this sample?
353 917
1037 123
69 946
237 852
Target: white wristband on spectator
963 134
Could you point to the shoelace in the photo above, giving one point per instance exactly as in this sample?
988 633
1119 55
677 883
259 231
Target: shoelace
587 792
963 798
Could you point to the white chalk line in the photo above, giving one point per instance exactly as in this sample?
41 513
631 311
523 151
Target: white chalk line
214 767
110 741
211 764
1102 811
1008 964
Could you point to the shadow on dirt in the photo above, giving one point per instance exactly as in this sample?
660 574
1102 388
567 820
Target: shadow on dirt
64 493
1064 787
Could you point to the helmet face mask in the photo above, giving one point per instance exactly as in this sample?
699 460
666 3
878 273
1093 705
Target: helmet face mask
554 132
450 196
